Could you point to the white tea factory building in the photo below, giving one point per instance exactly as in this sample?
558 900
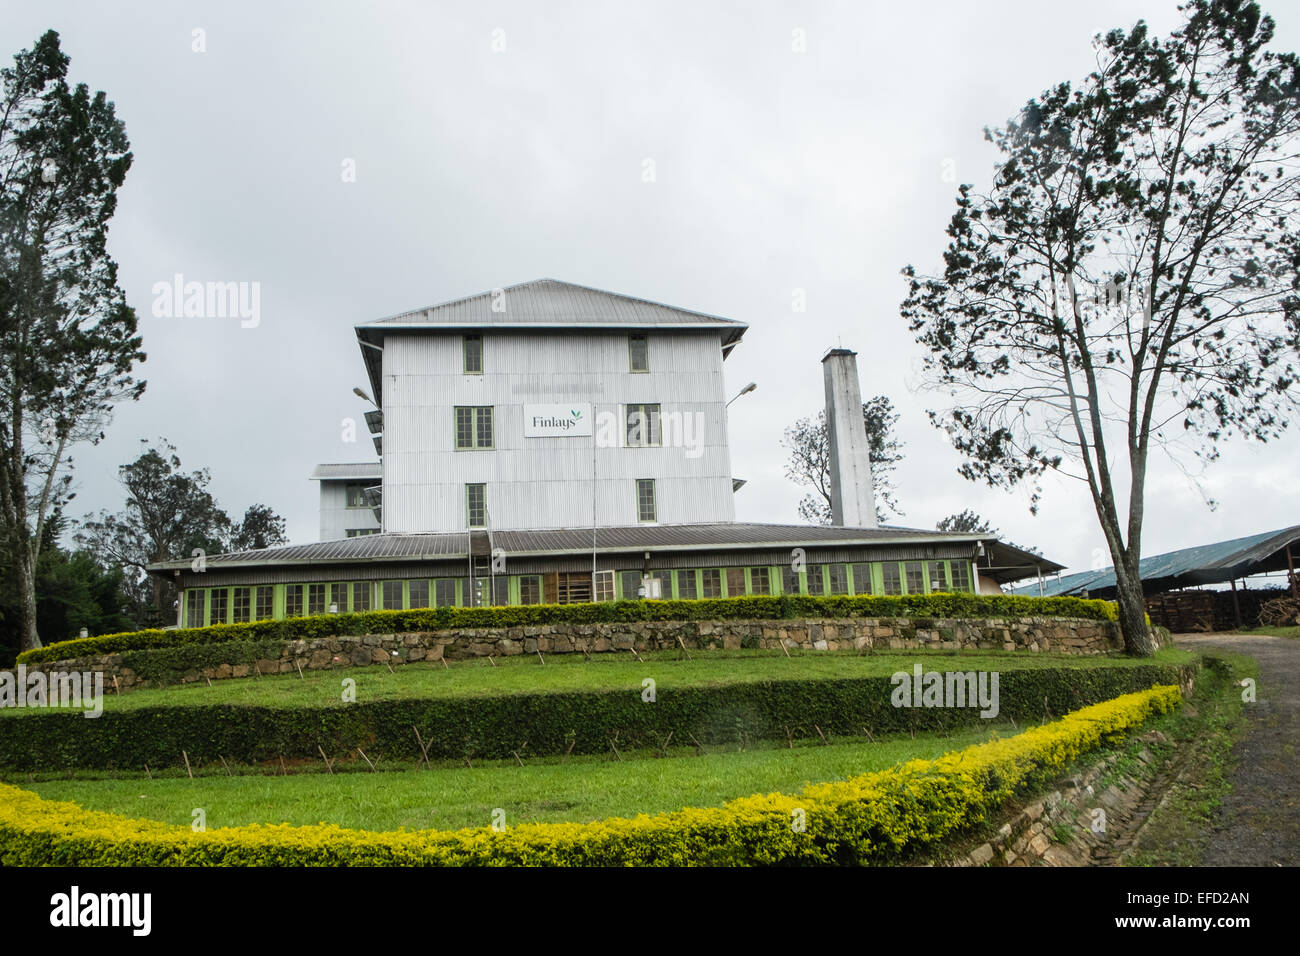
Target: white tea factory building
553 443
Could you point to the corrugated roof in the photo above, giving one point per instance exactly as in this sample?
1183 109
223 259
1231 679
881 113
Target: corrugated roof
712 536
360 469
555 303
1203 564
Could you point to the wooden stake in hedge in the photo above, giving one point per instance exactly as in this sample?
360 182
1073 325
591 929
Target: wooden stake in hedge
117 689
226 765
699 748
367 759
423 749
490 661
146 770
821 735
187 764
299 666
283 768
517 760
635 654
208 679
328 766
683 644
540 657
781 641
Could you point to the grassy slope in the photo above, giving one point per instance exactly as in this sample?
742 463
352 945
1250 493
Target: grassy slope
570 672
576 790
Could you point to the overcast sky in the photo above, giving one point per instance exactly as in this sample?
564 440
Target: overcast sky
494 143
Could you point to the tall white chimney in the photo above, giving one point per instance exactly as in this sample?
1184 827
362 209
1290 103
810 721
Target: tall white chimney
853 497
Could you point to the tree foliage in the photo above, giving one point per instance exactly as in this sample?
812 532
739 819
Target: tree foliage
1130 279
965 522
68 339
809 462
169 514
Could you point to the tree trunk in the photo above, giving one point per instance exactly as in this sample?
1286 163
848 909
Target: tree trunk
28 638
1132 613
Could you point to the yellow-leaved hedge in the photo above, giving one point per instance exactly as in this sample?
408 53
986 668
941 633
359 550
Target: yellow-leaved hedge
880 817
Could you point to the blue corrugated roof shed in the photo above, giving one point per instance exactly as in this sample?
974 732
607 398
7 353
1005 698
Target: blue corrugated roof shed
1203 564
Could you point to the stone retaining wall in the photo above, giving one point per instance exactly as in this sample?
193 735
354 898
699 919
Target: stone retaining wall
866 635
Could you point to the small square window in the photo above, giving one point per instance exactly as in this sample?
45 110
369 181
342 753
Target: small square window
960 575
760 581
444 592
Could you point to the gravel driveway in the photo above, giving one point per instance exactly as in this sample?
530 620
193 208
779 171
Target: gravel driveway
1259 822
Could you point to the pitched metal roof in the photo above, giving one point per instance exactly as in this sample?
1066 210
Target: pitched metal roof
684 537
536 305
549 302
1203 564
360 469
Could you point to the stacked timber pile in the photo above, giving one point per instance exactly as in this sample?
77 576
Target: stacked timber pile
1183 611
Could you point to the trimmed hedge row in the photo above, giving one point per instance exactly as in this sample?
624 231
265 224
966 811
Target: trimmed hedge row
491 727
709 609
877 818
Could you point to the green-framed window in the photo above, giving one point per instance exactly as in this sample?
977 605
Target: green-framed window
444 592
645 499
194 607
500 590
914 576
418 593
530 589
263 602
936 576
862 578
816 578
687 585
629 582
360 596
760 581
665 581
391 593
710 583
643 429
241 605
638 353
891 577
219 606
476 505
960 575
474 426
790 581
472 354
736 582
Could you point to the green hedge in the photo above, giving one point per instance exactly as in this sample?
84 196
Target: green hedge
540 723
451 618
890 816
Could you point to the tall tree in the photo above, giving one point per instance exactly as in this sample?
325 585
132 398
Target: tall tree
168 515
67 337
809 463
1131 278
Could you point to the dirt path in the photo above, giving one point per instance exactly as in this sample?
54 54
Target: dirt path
1259 822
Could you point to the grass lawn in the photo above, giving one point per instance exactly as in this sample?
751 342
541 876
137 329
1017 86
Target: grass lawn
544 790
571 672
1275 631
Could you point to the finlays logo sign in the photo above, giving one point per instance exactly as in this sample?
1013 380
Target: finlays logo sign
564 421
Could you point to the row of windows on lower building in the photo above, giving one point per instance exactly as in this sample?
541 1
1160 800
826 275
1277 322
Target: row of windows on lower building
240 604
